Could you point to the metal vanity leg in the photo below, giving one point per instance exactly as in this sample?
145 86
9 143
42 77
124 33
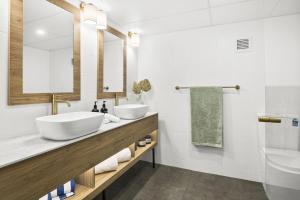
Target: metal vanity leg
103 195
153 157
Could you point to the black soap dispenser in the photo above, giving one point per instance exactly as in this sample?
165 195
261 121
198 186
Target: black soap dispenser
104 109
95 109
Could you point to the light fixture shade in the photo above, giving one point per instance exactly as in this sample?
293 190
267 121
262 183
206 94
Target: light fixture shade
101 20
134 39
89 13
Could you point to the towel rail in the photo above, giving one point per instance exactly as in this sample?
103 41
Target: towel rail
237 87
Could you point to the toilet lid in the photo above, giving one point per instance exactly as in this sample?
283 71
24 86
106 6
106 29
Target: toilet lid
288 159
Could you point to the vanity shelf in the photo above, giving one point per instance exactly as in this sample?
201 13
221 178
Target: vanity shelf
102 181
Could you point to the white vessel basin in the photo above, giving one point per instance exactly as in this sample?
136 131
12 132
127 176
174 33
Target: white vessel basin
69 125
131 111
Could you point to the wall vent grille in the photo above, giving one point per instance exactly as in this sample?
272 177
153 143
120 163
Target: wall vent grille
243 44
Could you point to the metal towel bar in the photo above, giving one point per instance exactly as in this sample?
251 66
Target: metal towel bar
237 87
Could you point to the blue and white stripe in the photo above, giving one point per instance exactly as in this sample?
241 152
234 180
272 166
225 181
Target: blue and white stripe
62 192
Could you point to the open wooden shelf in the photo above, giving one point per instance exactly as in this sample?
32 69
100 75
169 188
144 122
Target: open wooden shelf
103 180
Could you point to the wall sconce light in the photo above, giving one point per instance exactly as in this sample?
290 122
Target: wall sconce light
88 13
92 15
134 39
101 20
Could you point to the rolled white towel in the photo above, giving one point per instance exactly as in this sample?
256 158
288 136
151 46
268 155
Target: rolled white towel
124 155
110 164
112 118
106 121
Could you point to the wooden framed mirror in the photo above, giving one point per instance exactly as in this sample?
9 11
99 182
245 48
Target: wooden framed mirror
44 51
112 64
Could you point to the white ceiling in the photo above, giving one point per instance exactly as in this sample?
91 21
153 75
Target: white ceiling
54 21
150 16
157 16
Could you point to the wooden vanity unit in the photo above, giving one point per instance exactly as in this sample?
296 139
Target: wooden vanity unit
34 177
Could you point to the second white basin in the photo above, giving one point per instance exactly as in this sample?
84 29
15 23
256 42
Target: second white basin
131 111
69 125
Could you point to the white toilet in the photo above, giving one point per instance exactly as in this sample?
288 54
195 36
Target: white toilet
281 159
282 178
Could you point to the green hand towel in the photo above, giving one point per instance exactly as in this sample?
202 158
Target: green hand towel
207 116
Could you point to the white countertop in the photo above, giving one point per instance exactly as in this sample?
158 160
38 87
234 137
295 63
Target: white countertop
21 148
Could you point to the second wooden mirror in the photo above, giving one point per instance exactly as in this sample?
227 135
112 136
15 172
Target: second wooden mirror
112 64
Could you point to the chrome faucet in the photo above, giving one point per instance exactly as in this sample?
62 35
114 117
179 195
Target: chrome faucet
55 101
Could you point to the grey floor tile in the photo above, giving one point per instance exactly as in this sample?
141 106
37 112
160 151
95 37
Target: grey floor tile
142 182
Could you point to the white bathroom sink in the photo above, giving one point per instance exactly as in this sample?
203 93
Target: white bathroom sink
131 111
69 125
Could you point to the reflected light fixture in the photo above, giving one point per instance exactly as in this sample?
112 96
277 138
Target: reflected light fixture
92 15
40 32
134 39
88 13
101 20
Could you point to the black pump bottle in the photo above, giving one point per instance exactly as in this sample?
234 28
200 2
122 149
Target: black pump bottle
95 107
104 109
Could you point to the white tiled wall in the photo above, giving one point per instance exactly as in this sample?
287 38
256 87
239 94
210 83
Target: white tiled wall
282 43
283 101
204 57
3 16
19 120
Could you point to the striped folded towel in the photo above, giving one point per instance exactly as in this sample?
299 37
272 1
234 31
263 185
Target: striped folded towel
62 192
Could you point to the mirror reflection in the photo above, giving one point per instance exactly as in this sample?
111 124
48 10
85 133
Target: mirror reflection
47 48
113 63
